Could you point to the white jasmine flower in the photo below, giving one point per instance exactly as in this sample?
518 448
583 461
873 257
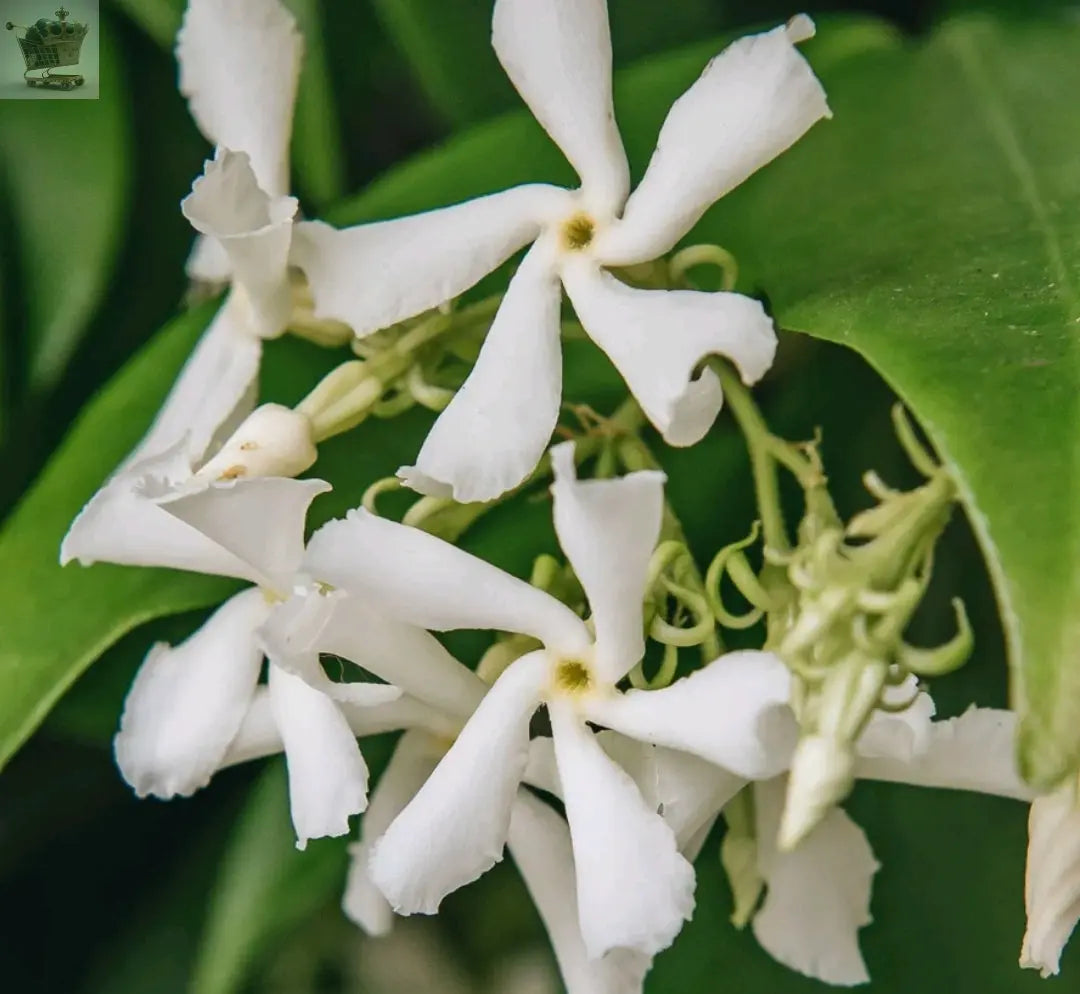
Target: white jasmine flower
751 103
832 869
239 66
731 713
1052 886
188 702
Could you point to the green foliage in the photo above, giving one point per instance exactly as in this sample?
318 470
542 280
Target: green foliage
68 211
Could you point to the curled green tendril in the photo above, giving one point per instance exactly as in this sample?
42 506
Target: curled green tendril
733 562
704 255
663 676
376 490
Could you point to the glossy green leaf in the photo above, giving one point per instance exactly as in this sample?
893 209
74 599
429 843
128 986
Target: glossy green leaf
264 887
933 226
58 620
64 168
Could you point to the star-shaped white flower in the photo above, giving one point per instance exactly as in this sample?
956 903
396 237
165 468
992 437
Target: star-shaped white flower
733 712
188 702
750 104
832 869
239 66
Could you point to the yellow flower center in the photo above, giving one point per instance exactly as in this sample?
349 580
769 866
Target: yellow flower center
578 231
572 677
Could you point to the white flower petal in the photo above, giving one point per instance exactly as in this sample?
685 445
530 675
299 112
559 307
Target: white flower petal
260 522
412 762
539 842
432 584
558 56
492 434
455 828
373 275
249 529
259 735
976 751
187 702
903 734
239 66
216 387
310 623
608 530
327 774
733 713
656 338
253 228
1052 883
753 101
818 895
634 888
207 262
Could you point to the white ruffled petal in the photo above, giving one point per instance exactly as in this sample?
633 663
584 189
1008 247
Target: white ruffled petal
656 338
310 623
215 388
187 702
455 828
432 584
558 56
753 101
259 735
818 895
413 761
259 522
239 66
254 229
1052 883
249 529
733 713
634 888
976 751
492 434
327 774
539 842
608 530
903 734
373 275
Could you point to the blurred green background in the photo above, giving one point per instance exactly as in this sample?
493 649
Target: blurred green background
104 894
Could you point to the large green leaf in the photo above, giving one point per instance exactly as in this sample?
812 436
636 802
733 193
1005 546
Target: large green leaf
933 226
56 621
64 168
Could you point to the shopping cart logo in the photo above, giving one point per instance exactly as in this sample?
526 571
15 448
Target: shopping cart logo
48 45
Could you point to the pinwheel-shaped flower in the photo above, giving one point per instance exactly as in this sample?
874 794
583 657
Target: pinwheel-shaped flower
239 66
751 102
733 712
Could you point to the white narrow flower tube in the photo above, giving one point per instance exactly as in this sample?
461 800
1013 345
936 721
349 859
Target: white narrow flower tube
188 701
818 894
272 441
752 102
608 530
455 828
239 68
496 427
254 229
327 773
432 584
413 761
634 888
1052 884
657 338
733 713
558 56
539 842
410 264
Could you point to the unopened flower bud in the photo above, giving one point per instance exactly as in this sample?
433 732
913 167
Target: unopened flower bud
822 773
272 441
